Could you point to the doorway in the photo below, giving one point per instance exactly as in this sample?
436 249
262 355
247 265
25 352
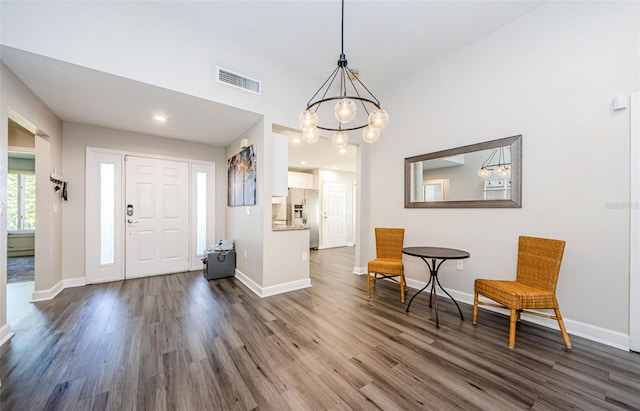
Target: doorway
21 221
146 215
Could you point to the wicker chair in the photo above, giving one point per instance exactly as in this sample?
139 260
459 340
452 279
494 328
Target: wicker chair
388 262
534 288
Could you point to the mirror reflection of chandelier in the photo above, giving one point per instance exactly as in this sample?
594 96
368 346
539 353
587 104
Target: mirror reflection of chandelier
496 168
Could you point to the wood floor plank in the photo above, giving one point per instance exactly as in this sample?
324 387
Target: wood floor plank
180 342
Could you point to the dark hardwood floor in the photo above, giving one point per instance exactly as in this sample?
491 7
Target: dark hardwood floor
179 342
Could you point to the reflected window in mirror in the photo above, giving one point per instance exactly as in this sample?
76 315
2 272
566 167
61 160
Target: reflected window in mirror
480 175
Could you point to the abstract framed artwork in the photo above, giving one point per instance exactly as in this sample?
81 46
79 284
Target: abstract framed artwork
241 178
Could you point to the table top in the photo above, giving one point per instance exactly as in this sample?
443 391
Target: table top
436 252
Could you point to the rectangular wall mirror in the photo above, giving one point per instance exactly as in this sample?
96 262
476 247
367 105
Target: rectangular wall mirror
482 175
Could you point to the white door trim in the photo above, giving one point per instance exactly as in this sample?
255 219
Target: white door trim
634 264
94 271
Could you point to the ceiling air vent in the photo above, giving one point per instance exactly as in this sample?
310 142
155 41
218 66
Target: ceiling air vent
238 80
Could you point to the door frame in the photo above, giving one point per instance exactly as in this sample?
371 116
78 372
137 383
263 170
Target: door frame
91 213
634 241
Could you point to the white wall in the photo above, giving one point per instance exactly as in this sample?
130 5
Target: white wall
16 95
550 76
78 137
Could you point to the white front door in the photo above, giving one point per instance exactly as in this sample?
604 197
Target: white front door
334 215
157 216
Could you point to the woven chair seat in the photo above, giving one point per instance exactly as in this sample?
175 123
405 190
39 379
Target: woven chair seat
385 266
513 294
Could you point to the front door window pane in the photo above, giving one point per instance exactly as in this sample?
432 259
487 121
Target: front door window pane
201 212
107 213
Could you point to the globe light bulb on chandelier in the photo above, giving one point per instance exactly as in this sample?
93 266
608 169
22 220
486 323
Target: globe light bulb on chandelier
340 139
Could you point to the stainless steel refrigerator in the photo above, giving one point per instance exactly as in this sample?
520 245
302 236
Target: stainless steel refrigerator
303 208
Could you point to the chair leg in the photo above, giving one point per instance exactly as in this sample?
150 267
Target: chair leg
512 328
368 283
402 285
475 308
565 336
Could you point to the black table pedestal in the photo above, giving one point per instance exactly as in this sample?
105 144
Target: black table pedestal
434 254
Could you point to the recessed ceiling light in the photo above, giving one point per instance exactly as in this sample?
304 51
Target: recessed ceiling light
160 118
295 140
303 162
342 150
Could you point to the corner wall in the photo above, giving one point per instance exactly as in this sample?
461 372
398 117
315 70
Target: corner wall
245 224
16 95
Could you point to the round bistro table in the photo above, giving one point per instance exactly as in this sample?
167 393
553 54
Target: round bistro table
434 254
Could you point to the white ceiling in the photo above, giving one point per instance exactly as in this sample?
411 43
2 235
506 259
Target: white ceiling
81 95
384 40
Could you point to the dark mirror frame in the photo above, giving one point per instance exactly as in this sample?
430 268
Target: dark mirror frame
515 143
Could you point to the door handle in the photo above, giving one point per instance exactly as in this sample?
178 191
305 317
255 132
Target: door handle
132 221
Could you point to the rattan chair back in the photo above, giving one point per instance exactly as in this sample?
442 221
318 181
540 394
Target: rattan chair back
389 242
539 262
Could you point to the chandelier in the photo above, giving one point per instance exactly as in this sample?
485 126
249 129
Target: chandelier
496 168
344 88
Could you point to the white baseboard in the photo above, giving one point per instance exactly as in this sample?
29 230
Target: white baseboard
46 295
74 282
601 335
263 292
285 287
252 285
360 270
5 334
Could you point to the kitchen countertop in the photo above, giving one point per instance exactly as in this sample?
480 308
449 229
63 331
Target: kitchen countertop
284 227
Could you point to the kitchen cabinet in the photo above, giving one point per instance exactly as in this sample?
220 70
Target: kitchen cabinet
280 165
300 180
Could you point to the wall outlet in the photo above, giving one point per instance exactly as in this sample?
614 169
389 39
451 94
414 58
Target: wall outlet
245 253
460 266
305 256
